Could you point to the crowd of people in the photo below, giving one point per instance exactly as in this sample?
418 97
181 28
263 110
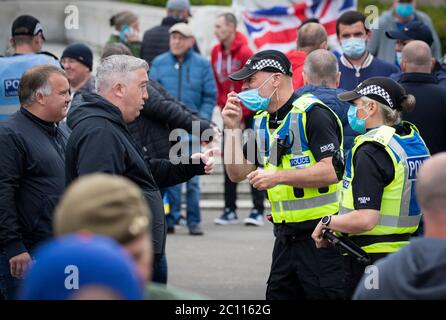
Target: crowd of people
339 144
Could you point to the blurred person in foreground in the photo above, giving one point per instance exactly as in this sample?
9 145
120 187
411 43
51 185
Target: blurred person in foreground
82 267
114 206
417 271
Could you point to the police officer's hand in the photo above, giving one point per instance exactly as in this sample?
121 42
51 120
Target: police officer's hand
318 238
232 112
263 179
19 264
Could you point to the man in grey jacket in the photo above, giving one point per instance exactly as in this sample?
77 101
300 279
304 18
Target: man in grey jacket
402 13
417 271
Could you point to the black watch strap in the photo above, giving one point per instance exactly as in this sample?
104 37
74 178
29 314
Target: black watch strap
326 220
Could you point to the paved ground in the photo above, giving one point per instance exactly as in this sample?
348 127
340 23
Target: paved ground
228 262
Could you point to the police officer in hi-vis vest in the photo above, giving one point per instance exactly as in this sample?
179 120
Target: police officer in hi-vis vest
27 39
379 211
289 154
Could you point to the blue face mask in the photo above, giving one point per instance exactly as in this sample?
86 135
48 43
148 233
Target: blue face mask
356 123
404 10
353 47
399 55
252 100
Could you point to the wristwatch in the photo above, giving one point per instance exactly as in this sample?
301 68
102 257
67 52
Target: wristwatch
325 221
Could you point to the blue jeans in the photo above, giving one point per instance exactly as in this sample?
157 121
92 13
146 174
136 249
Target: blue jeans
174 204
160 270
8 284
192 200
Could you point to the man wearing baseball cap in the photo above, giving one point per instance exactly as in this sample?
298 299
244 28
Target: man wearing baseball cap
290 156
399 17
415 30
27 35
27 38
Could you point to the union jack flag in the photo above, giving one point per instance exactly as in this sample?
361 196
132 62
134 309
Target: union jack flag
276 27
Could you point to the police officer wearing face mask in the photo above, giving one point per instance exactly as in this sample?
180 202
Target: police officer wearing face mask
379 211
357 64
289 154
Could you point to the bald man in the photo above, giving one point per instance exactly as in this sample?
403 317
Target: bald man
417 271
310 37
430 111
321 77
417 57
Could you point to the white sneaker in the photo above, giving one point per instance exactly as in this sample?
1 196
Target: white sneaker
228 217
254 219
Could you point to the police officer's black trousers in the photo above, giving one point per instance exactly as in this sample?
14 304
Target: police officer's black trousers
301 271
354 271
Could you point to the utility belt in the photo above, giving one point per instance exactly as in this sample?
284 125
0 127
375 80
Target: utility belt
294 238
366 240
287 235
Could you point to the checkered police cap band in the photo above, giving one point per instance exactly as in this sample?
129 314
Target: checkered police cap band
377 90
264 63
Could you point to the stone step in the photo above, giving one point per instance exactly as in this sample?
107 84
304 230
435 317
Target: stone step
214 185
218 187
216 207
219 204
220 196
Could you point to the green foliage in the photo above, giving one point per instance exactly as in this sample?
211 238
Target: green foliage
162 3
437 14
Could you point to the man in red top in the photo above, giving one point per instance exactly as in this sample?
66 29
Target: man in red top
311 36
227 57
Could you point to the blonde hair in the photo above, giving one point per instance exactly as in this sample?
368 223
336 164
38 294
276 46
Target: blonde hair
390 116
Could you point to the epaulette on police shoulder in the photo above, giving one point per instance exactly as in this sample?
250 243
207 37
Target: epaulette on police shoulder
381 135
49 54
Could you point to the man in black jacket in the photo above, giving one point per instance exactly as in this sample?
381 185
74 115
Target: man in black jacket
429 114
32 170
156 40
161 114
101 141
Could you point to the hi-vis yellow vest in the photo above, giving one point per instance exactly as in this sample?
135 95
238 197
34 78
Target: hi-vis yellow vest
289 204
400 213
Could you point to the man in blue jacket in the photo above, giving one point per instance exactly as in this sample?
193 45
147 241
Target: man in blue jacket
188 77
32 170
321 78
